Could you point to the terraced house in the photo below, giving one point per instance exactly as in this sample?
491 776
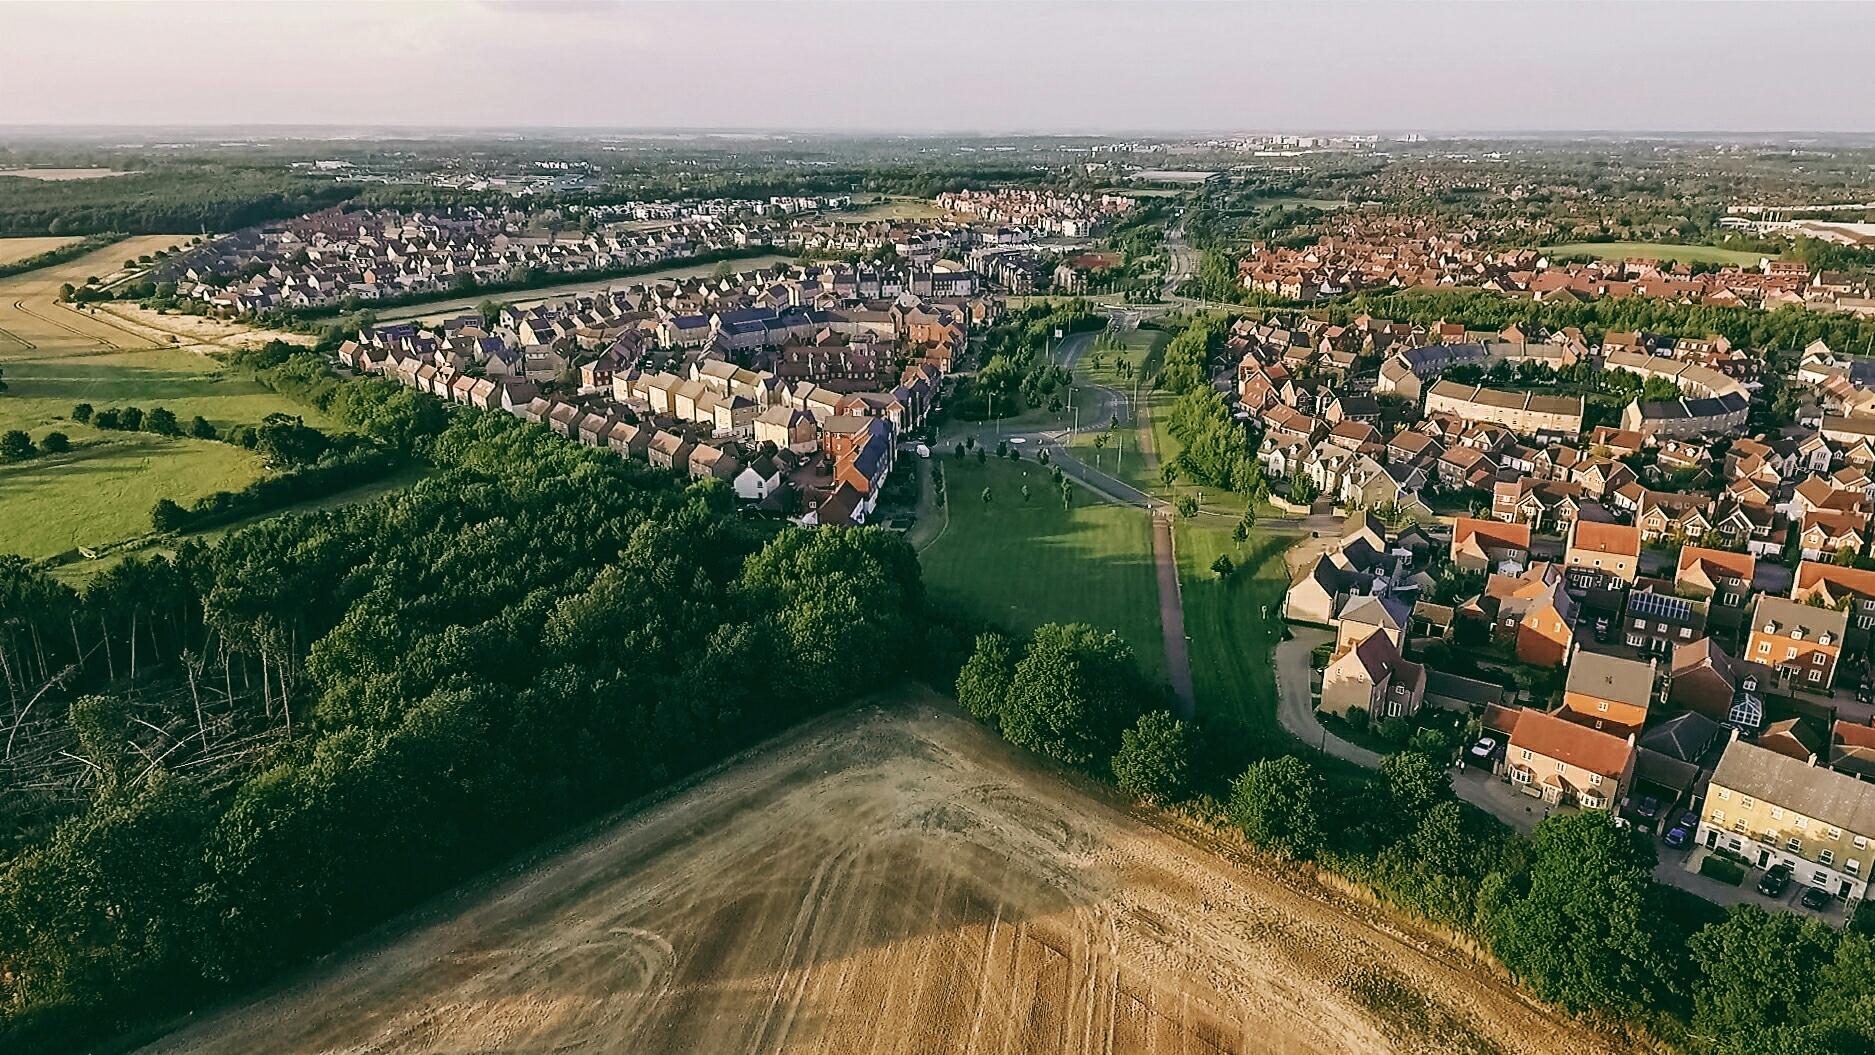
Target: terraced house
1526 413
1771 808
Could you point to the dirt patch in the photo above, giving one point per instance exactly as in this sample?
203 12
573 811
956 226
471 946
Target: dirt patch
892 880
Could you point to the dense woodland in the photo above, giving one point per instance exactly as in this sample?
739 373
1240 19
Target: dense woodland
221 764
161 199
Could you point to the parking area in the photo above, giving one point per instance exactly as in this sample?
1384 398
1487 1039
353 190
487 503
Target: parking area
1680 868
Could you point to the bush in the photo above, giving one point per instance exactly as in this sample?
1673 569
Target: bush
1718 868
1154 759
55 443
16 446
81 413
1274 802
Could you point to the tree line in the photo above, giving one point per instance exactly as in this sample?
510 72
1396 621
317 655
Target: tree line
221 763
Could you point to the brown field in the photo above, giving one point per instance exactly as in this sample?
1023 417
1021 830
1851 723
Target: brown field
14 250
893 880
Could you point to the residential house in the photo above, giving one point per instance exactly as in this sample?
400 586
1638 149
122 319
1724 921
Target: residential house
1612 550
1656 622
1801 644
1481 545
1608 693
1719 577
1373 677
1569 764
1704 679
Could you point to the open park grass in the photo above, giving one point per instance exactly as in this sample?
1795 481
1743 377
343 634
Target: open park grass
1685 254
14 250
1234 627
895 207
1020 564
101 491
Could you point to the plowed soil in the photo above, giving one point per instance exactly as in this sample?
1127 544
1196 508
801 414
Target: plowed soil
893 880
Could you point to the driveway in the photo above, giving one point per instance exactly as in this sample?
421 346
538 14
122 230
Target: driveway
1295 704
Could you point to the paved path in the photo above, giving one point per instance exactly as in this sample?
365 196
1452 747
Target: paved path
1295 705
1172 616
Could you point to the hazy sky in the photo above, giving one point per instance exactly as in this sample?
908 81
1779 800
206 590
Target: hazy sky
1067 66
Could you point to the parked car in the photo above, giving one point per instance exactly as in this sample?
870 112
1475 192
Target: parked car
1482 750
1816 899
1774 880
1648 808
1604 629
1677 836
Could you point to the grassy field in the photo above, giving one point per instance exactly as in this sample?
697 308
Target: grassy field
896 207
1020 564
79 572
102 491
13 250
1685 254
1234 627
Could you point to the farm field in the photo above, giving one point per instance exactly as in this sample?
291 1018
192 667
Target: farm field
13 250
1685 254
62 175
102 490
893 879
526 298
1019 564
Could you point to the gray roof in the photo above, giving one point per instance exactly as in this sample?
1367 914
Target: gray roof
1822 794
1611 678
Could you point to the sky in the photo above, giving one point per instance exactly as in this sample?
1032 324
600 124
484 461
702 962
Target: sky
964 66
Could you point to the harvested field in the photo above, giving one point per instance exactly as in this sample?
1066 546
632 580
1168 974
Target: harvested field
62 175
891 880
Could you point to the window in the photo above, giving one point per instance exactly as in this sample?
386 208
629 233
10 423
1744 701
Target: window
1819 878
1739 826
1602 706
1725 793
1526 754
1746 801
1777 813
1794 845
1764 648
1826 857
1861 842
1635 640
1595 780
1686 633
1818 658
1559 767
1640 624
1835 832
1852 866
1803 822
1718 816
1790 653
1816 675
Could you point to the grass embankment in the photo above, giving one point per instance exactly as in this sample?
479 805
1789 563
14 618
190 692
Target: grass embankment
1018 564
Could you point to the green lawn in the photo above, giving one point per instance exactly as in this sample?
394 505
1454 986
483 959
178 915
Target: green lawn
101 490
1686 254
1019 564
1234 628
81 571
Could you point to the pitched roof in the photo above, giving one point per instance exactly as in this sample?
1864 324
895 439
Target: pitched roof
1578 745
1611 678
1620 539
1825 795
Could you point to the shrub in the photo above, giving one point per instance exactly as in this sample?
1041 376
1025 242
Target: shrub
1154 759
16 446
1718 868
55 443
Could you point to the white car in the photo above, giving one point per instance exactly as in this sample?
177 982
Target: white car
1483 748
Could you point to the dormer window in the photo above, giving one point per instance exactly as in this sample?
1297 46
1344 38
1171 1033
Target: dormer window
1797 634
1823 639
